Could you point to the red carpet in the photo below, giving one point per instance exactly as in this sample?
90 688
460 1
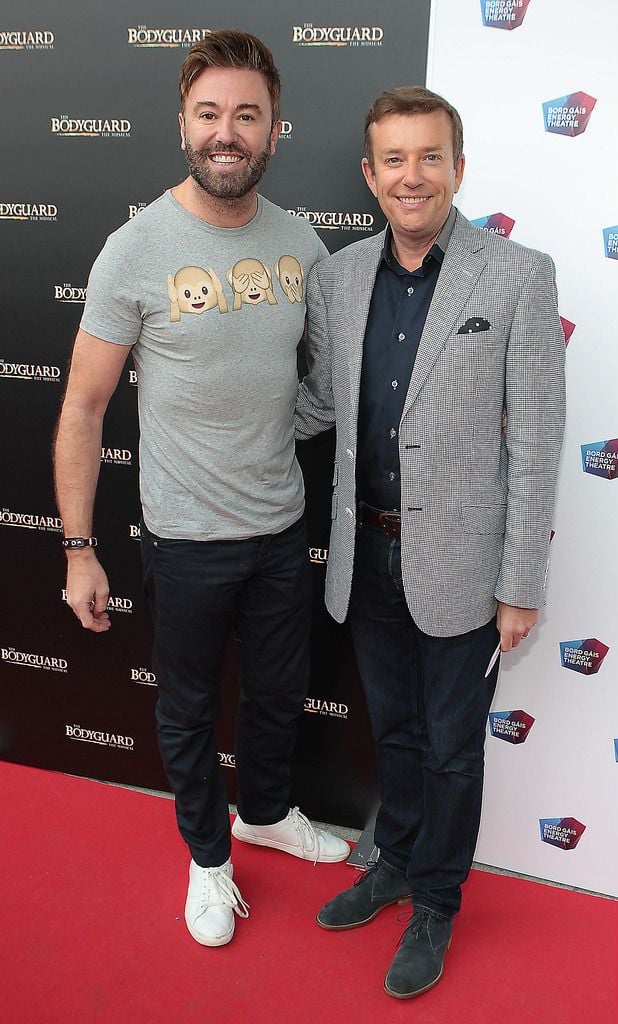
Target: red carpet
93 882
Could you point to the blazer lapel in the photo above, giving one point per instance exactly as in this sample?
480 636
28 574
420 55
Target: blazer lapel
358 282
463 263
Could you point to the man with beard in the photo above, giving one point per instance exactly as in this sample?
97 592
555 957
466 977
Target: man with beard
223 537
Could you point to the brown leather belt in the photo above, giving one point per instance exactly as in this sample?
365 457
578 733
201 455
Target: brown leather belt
388 522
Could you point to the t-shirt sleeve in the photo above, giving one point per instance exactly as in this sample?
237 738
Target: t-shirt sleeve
112 311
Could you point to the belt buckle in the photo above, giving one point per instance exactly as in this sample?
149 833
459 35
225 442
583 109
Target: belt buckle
389 524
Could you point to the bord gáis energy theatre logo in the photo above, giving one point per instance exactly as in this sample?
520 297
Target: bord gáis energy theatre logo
565 833
512 726
496 223
600 458
585 656
568 115
507 14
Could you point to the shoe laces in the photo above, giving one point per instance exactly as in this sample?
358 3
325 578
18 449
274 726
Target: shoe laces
218 889
372 867
308 835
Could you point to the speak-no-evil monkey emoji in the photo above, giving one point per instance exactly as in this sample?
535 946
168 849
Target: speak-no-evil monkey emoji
251 283
194 290
290 274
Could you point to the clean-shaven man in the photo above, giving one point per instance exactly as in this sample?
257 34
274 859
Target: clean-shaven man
206 287
438 351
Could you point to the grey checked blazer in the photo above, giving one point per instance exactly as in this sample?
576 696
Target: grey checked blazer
476 501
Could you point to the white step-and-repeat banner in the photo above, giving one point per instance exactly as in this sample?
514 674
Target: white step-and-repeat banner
535 83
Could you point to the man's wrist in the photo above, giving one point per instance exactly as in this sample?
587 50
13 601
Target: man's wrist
78 543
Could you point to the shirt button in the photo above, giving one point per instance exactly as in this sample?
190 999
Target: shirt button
410 290
391 476
393 432
401 336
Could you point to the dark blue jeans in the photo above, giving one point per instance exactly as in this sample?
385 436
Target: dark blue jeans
428 702
197 590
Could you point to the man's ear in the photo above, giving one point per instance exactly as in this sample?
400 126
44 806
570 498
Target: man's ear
181 122
459 172
275 132
369 175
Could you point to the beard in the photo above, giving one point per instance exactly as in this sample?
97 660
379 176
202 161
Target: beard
232 183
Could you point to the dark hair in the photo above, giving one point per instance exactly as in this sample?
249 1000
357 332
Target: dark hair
412 99
228 48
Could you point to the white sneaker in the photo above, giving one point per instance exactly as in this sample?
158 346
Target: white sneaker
211 901
295 835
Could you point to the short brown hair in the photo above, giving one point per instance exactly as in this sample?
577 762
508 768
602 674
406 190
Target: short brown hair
229 48
412 99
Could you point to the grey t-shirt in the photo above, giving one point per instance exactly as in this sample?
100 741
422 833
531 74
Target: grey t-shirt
215 315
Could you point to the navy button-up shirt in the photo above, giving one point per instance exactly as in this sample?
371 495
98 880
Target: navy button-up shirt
399 306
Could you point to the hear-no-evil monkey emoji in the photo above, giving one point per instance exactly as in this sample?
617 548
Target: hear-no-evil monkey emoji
290 274
194 290
251 283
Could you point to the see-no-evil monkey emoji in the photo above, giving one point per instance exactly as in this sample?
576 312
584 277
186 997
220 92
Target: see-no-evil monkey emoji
251 283
194 290
290 274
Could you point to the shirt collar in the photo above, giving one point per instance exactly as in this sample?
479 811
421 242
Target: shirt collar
437 250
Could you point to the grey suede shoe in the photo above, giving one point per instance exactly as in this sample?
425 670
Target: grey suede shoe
380 886
419 961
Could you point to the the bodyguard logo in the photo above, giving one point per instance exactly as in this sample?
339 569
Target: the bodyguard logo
286 130
600 458
610 242
335 220
44 661
512 726
567 328
135 209
144 37
116 456
144 676
327 708
568 115
30 521
65 127
29 371
115 604
565 833
585 656
134 531
69 293
319 556
507 14
28 211
309 34
99 737
497 223
27 39
226 760
132 378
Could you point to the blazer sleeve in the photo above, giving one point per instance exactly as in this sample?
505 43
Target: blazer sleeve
535 411
315 410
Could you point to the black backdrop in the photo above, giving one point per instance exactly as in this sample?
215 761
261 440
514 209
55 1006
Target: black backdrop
73 701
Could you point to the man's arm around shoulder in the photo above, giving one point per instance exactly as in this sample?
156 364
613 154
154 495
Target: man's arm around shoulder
96 366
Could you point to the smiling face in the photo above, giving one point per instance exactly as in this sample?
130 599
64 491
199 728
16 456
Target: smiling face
195 290
227 132
412 174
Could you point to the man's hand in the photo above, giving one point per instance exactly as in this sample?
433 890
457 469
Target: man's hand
88 591
514 624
